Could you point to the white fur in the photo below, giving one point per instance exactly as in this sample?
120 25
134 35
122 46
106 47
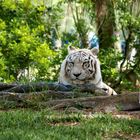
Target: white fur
96 81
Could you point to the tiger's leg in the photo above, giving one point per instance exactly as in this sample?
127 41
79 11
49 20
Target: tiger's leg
108 90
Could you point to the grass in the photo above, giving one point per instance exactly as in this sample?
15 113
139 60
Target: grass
26 124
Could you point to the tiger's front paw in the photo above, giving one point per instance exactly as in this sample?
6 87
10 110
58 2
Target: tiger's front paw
109 91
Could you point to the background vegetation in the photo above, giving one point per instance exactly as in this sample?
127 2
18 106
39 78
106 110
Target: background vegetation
30 29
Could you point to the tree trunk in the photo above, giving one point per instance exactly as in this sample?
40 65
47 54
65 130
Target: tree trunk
105 22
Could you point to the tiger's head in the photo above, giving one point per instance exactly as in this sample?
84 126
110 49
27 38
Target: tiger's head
80 65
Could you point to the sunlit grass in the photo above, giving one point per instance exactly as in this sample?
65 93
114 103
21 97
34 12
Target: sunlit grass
47 125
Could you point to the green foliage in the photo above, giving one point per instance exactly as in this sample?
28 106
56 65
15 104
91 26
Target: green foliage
109 59
128 13
26 37
25 30
111 74
2 68
43 58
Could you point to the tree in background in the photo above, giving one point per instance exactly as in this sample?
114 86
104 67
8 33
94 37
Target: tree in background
129 22
27 37
83 17
105 22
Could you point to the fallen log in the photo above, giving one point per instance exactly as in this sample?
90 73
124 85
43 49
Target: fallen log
49 94
41 86
59 96
4 86
64 100
37 86
123 102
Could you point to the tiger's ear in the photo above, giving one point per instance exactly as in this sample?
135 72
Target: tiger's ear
71 49
95 51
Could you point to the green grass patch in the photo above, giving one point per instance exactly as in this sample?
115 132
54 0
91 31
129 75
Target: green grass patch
47 125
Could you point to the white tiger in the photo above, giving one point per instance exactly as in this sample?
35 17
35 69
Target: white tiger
81 66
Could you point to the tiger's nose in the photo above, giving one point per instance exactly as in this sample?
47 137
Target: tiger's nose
77 74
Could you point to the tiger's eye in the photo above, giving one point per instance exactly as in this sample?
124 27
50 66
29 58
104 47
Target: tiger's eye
70 64
86 64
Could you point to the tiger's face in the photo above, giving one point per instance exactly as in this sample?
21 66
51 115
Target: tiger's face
80 65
